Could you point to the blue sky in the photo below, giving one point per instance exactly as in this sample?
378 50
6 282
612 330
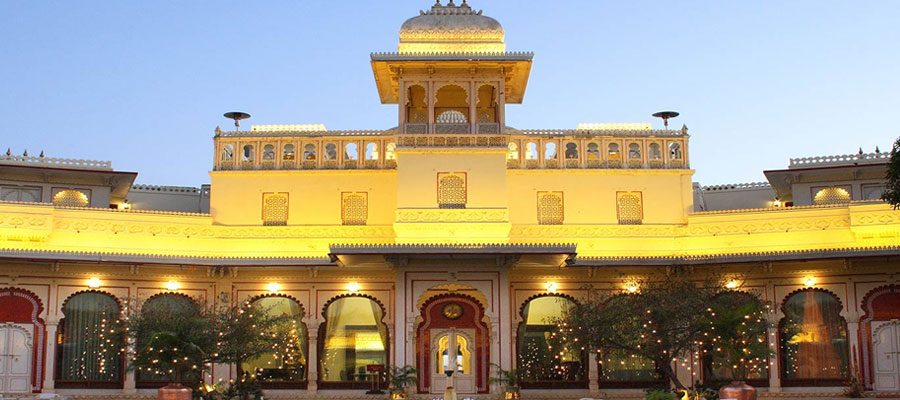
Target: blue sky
144 84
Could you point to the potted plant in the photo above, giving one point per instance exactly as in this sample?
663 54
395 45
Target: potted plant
509 380
399 379
740 328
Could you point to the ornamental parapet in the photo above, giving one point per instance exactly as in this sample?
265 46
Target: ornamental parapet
51 162
846 159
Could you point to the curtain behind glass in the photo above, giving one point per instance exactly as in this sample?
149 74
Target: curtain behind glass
354 337
85 354
814 337
288 362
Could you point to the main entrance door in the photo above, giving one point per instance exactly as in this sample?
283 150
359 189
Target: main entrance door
886 345
452 337
15 358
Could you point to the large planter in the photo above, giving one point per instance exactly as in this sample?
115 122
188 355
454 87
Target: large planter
174 391
511 393
737 390
399 396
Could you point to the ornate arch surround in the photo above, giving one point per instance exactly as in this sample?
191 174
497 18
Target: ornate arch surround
891 295
19 315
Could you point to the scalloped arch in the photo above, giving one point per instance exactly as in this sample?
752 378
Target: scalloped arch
280 295
545 294
177 294
66 301
428 295
443 296
346 295
40 304
873 294
798 291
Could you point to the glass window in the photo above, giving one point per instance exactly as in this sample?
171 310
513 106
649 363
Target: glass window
287 363
463 355
715 369
85 353
543 356
166 304
813 338
354 338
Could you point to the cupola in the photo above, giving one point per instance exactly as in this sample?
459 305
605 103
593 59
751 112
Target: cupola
451 28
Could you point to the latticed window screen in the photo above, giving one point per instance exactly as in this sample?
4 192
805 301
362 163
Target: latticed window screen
71 198
275 209
629 208
354 208
550 208
832 195
451 190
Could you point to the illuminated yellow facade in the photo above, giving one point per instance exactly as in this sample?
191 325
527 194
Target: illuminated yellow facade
452 208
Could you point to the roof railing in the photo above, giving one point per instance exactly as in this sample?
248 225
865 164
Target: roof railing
845 159
52 162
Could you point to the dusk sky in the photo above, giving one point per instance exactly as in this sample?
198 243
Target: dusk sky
144 84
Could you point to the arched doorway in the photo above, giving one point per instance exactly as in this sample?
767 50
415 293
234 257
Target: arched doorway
880 338
453 336
285 367
21 340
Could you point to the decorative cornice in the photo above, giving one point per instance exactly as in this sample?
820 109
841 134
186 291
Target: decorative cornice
739 257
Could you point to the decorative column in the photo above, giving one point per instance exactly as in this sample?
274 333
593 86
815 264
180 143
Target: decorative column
501 104
429 99
774 367
312 362
401 100
473 100
50 357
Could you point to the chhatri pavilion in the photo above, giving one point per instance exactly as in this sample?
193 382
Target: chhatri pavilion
445 243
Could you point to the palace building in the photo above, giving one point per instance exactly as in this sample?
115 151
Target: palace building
445 243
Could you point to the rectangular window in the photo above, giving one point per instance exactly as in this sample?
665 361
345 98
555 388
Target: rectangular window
872 191
20 193
550 208
451 189
629 208
354 208
275 209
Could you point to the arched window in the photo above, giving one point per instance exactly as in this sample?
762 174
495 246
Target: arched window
228 152
389 151
593 151
309 152
715 370
621 370
351 152
330 151
451 190
247 155
372 151
545 360
634 151
550 151
268 152
416 107
352 337
531 151
463 355
85 356
655 152
164 305
71 198
513 151
286 365
288 153
613 151
832 195
675 151
813 336
571 151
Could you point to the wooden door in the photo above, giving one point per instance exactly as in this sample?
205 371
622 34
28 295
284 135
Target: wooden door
886 345
15 358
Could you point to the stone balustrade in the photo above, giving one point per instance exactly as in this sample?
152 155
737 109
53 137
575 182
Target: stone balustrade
736 186
846 159
52 162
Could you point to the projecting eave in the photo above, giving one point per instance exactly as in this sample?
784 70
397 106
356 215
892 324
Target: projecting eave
504 254
757 257
116 258
388 68
782 179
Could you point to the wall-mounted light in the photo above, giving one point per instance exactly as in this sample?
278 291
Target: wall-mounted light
125 205
632 288
94 282
776 202
551 287
352 287
173 285
273 287
809 281
732 284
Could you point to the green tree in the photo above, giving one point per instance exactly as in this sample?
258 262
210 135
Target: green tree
892 188
737 334
662 322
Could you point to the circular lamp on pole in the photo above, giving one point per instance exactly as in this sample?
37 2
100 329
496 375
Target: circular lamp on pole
237 116
665 115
